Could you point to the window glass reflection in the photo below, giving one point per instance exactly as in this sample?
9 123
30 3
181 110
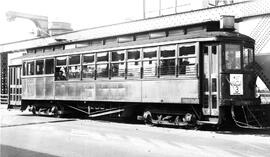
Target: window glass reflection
232 56
61 61
167 67
88 71
133 69
30 68
102 70
150 53
39 67
133 54
49 66
103 57
167 51
61 73
118 56
118 70
247 57
150 69
74 72
88 58
74 60
186 51
187 66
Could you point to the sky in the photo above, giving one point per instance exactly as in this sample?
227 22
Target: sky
80 13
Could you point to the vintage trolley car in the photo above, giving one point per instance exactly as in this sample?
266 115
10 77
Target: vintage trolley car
186 75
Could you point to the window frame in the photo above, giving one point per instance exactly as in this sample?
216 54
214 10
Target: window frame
124 61
139 61
250 62
86 64
60 66
98 63
155 59
69 65
224 66
27 70
43 69
53 67
194 56
175 46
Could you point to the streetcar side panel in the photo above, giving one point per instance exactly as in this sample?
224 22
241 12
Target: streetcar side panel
183 90
38 88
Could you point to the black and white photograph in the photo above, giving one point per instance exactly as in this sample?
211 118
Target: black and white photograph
134 78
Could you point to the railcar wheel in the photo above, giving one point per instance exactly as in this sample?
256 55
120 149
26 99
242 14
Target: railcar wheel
147 116
58 111
177 121
34 110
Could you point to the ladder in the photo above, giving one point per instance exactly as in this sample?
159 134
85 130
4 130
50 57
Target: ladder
261 33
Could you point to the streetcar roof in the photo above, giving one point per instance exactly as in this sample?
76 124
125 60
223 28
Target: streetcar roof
216 36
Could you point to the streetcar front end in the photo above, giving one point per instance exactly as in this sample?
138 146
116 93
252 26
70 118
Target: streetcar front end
238 100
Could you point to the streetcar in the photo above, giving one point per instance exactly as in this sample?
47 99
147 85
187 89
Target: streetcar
185 76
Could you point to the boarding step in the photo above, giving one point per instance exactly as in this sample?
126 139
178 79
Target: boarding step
206 123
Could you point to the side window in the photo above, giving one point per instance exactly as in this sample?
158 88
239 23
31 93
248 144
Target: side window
39 67
133 64
74 67
187 60
150 64
49 66
167 60
24 68
88 66
61 68
103 65
248 56
118 67
30 68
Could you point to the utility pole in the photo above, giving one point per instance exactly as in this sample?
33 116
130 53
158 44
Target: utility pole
176 6
159 8
143 9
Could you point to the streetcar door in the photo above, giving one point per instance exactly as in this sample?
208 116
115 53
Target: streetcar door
15 86
211 81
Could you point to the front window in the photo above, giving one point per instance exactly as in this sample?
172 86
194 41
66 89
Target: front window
232 56
248 57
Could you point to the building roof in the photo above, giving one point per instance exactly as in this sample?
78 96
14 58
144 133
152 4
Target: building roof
239 10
